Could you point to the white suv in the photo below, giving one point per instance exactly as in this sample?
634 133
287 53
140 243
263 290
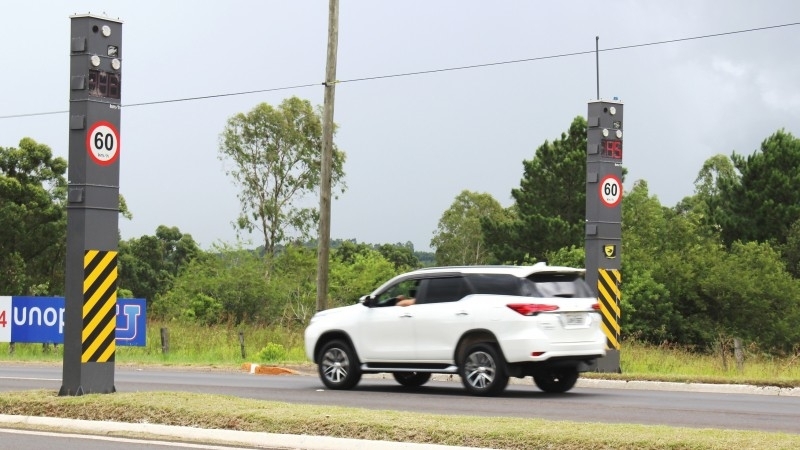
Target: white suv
484 323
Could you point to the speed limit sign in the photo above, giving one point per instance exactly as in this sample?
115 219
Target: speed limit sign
102 143
610 191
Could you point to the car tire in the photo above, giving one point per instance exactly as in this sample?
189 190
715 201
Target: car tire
556 381
411 379
338 365
482 370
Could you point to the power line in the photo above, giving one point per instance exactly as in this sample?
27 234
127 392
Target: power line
564 55
15 116
205 97
432 71
175 100
727 33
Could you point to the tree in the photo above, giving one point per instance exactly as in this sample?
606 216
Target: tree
149 265
681 284
644 224
291 292
706 202
571 256
647 307
764 202
359 275
276 154
346 251
458 239
32 219
647 311
791 250
762 305
399 254
550 204
227 284
662 249
224 284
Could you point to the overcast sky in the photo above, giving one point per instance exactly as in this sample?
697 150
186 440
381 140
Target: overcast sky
413 143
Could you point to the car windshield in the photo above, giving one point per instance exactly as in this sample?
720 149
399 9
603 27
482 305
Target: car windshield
567 285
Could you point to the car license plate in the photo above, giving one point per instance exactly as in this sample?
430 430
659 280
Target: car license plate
573 320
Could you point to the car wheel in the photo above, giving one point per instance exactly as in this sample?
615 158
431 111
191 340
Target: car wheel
412 379
482 370
556 381
338 366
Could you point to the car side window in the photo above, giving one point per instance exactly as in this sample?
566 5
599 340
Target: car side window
497 284
440 290
406 288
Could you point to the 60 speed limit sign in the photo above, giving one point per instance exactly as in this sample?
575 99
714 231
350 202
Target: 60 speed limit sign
610 190
102 143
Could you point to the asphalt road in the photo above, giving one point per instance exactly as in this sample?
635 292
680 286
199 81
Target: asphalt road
591 401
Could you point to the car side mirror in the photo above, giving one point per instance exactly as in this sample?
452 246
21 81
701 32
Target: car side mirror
365 300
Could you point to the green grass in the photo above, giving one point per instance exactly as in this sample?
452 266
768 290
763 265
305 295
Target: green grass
189 344
670 363
219 346
226 412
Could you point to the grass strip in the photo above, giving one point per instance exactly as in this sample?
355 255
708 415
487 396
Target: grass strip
234 413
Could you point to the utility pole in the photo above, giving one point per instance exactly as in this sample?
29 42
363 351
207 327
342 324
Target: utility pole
324 241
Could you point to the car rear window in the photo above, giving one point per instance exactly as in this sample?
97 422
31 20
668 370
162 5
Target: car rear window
566 285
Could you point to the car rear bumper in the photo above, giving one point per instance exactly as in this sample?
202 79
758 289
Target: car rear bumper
536 350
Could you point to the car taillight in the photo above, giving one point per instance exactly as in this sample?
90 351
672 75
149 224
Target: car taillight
596 306
531 309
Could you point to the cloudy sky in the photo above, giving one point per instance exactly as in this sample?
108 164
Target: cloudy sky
413 143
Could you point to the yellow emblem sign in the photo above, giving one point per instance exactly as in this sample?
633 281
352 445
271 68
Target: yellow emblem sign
610 251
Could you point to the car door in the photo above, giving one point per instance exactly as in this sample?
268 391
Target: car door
387 331
440 318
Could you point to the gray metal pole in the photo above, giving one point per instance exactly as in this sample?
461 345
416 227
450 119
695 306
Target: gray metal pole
324 242
92 205
604 219
597 62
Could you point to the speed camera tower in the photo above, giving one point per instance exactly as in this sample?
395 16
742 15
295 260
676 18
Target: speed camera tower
92 205
604 220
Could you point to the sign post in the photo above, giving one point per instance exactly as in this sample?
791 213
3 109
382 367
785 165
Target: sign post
604 220
92 205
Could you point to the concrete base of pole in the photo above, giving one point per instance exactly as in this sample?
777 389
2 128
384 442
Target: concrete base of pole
610 363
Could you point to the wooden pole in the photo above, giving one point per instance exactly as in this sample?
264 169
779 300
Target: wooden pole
324 241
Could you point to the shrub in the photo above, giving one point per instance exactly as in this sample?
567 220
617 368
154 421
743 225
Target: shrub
272 352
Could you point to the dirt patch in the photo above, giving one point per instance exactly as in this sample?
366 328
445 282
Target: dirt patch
268 370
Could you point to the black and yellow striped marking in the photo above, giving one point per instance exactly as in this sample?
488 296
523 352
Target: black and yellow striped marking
99 306
608 283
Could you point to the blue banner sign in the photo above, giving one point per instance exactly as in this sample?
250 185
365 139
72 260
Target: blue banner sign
41 320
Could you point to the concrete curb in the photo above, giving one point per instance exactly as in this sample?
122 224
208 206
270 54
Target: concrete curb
689 387
208 436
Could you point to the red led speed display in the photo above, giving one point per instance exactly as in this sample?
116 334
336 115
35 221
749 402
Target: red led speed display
611 148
